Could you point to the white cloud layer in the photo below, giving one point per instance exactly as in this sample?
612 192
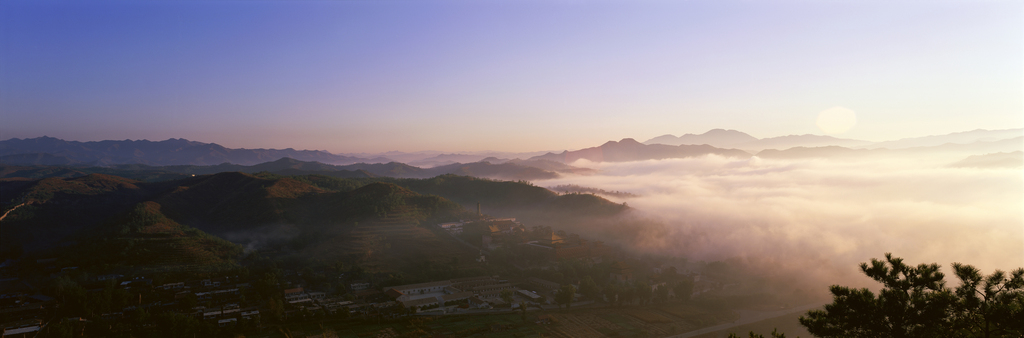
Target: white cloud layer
820 216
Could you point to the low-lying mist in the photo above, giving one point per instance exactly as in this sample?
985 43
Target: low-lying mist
814 218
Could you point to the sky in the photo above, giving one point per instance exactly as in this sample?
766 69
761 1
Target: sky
374 76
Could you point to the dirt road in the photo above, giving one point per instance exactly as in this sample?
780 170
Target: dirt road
12 209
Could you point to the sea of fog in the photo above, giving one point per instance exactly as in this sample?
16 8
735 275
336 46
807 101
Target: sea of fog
819 218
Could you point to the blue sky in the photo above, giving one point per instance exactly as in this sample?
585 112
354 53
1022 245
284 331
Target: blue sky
354 76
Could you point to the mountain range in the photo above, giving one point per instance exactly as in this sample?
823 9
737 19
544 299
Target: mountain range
630 150
54 151
723 138
947 150
210 157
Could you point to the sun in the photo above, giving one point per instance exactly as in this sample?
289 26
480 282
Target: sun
836 120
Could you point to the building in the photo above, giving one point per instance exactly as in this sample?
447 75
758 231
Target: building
505 227
421 303
456 298
492 287
476 302
404 293
359 285
454 228
532 296
552 240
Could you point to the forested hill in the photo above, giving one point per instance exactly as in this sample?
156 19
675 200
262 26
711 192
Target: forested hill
59 212
194 213
511 170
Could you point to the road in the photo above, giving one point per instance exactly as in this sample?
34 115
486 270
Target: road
747 317
12 209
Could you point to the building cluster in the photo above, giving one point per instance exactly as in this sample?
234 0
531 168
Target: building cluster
219 300
481 292
557 247
492 232
300 302
22 308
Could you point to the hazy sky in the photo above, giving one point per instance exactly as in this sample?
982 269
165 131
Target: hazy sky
350 76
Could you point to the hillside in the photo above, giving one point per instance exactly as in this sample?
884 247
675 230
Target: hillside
141 173
144 219
995 160
511 170
501 171
58 208
145 238
232 200
104 222
507 198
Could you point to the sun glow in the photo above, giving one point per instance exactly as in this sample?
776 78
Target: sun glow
836 120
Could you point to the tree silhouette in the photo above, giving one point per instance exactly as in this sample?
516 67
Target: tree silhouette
914 302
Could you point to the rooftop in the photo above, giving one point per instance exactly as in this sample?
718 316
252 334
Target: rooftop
420 302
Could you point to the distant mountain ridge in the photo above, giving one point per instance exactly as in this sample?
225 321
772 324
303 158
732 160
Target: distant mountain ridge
167 152
735 139
714 137
723 138
956 138
806 140
995 160
629 149
952 149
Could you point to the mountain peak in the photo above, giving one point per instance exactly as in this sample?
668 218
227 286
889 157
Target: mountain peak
628 141
722 138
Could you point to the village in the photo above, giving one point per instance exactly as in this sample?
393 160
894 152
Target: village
546 270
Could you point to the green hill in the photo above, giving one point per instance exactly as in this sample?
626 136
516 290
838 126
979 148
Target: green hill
103 220
109 221
144 238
